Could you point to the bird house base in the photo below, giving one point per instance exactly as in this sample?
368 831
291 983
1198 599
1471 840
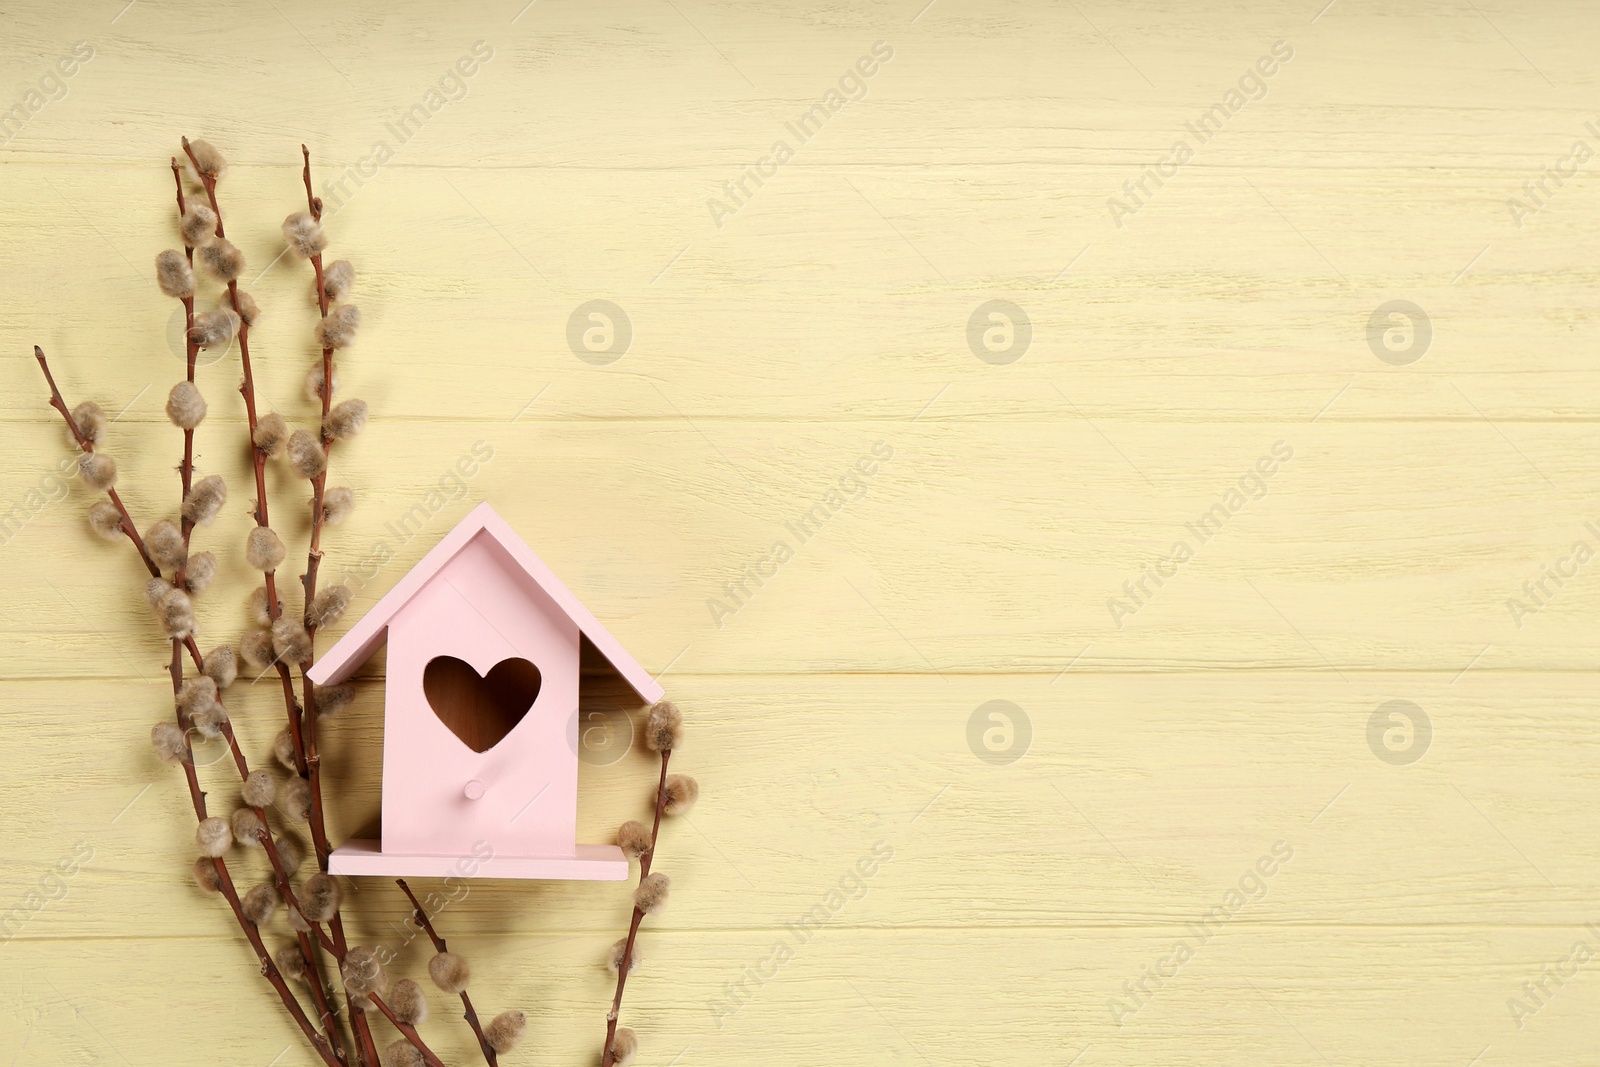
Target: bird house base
589 863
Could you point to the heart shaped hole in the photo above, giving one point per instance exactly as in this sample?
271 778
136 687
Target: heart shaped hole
480 711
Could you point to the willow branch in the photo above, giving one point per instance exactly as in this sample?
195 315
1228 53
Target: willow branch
247 389
86 445
314 552
186 475
192 350
407 1031
313 763
270 971
368 1051
420 919
638 916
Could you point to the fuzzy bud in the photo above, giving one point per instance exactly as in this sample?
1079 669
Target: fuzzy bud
259 790
663 731
624 1046
221 666
314 381
505 1030
198 572
258 606
320 897
90 419
682 791
214 836
283 752
290 640
260 904
155 589
175 613
296 800
98 471
263 550
297 922
174 274
338 279
105 520
651 896
450 971
306 456
408 1002
195 694
292 851
166 546
304 235
634 838
338 330
199 225
329 605
333 699
614 957
214 328
337 504
205 500
363 973
209 719
205 875
346 420
248 828
169 742
271 433
255 648
185 406
402 1053
290 963
249 311
206 158
223 259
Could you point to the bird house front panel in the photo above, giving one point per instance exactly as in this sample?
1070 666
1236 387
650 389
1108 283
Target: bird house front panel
481 695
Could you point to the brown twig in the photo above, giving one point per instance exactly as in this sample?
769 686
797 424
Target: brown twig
368 1053
247 389
407 1031
318 485
420 919
306 731
197 796
192 350
87 445
626 962
269 970
307 942
316 982
319 993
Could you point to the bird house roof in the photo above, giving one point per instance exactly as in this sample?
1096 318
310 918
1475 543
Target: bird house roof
363 639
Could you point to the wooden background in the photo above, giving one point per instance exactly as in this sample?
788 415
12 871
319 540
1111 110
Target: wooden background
830 713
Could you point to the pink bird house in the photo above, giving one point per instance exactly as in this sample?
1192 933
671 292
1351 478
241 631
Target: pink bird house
480 742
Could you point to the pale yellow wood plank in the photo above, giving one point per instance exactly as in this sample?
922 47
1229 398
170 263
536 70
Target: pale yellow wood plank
1208 307
921 996
976 546
1140 798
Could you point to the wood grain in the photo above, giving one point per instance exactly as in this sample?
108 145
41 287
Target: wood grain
805 495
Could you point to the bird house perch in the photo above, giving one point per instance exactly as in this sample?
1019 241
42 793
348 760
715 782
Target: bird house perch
480 742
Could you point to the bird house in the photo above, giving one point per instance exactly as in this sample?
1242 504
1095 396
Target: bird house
480 720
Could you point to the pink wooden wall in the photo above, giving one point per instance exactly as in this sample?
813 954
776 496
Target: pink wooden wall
481 608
